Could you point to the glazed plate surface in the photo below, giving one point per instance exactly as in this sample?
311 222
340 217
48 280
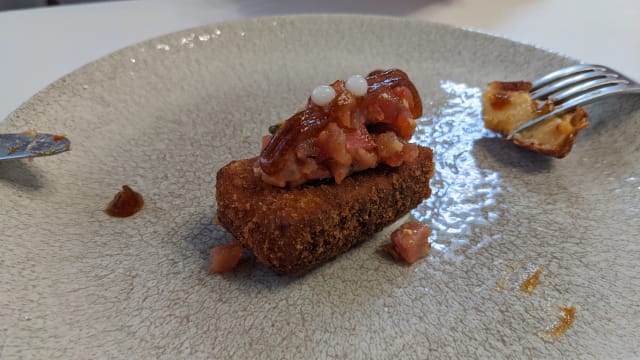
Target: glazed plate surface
164 115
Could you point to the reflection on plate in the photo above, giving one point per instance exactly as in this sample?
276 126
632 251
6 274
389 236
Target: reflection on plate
164 115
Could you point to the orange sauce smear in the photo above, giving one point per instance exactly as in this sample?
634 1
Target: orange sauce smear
531 282
565 321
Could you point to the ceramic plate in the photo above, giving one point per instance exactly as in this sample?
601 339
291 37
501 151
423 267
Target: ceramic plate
164 115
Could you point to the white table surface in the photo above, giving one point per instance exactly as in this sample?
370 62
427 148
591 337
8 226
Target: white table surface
40 45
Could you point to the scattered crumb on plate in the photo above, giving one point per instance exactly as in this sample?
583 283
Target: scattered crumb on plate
531 282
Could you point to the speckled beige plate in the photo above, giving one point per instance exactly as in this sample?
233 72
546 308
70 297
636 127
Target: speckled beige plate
163 116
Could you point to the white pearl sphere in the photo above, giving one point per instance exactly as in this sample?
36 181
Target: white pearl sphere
322 95
357 85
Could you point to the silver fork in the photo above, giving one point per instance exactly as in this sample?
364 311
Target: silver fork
574 86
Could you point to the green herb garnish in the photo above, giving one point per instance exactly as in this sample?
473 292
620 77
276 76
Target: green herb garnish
274 128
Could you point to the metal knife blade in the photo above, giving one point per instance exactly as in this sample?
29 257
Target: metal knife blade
32 144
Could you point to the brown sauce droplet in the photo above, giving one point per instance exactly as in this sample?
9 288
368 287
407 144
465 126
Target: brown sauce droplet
300 127
499 101
530 283
379 80
126 203
565 321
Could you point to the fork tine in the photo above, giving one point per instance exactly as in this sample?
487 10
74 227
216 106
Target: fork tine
585 98
562 96
562 73
597 94
574 86
551 87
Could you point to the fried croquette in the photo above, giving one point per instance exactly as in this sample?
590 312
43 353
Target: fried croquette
293 230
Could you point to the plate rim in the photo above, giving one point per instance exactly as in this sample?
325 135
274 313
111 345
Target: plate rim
43 92
82 71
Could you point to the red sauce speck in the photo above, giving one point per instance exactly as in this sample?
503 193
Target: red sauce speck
224 258
126 203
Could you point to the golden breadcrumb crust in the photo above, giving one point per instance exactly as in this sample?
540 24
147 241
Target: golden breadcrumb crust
293 230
